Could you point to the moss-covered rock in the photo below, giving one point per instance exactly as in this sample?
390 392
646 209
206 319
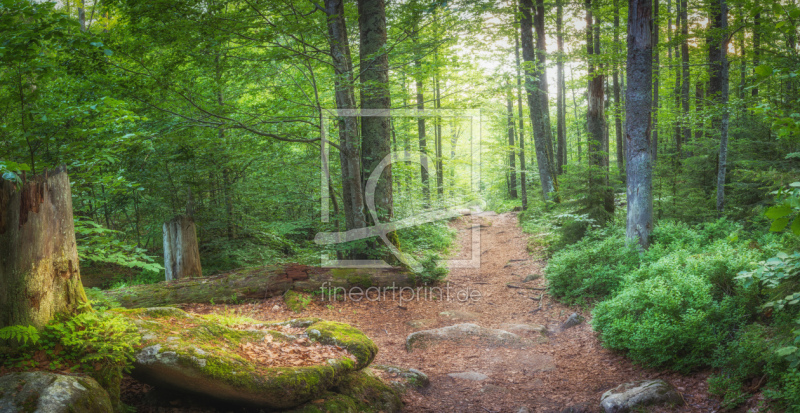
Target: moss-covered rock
40 391
358 392
343 335
194 354
403 379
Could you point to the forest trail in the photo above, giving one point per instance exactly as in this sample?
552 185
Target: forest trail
570 368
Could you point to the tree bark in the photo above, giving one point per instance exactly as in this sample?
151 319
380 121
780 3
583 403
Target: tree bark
617 103
756 46
523 173
257 284
561 131
597 151
543 111
656 77
375 130
535 101
352 194
181 251
512 153
39 272
637 123
685 81
718 89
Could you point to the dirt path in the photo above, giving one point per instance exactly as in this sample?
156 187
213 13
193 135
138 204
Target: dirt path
571 368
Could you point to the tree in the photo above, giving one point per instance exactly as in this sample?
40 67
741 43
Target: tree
637 123
718 87
617 103
39 272
601 201
181 251
512 153
348 126
375 130
561 106
533 87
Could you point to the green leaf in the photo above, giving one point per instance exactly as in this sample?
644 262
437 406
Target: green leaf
785 351
108 52
794 13
779 224
778 211
763 70
796 226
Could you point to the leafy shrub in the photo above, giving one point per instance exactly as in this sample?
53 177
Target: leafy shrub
786 392
431 271
672 313
740 360
592 268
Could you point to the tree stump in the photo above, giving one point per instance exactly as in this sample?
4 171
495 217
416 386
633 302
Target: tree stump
181 253
39 274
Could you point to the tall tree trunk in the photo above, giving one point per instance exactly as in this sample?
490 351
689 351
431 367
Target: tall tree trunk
577 123
352 194
82 15
617 103
523 173
637 123
561 131
39 272
543 111
756 46
534 102
439 161
698 110
595 125
426 191
512 152
375 130
656 78
685 81
718 88
181 251
677 90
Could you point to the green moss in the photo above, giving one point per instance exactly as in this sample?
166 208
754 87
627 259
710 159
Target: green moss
296 302
343 335
364 386
331 403
353 277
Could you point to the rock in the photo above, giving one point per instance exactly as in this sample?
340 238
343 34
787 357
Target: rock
402 378
636 395
529 329
203 359
466 333
531 277
469 375
358 392
491 388
573 320
523 409
44 392
460 315
276 307
425 322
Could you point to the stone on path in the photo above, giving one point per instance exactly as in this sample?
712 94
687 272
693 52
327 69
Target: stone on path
522 329
466 333
403 378
43 392
531 277
573 320
636 395
425 322
469 375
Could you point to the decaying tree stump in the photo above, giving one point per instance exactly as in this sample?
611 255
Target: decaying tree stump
181 253
39 274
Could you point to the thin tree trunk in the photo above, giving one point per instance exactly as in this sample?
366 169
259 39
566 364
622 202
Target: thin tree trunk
656 78
756 46
677 90
535 101
352 194
39 272
595 125
375 130
561 132
685 81
543 111
617 103
523 173
82 15
439 164
637 123
698 110
718 87
512 167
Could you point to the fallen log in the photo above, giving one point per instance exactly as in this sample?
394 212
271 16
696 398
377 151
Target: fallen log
257 284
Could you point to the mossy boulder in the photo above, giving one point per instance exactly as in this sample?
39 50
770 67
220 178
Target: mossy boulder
468 333
403 379
194 354
40 391
358 392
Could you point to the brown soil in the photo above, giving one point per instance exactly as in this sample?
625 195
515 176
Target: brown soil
572 368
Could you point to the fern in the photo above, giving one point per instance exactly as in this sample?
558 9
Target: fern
22 334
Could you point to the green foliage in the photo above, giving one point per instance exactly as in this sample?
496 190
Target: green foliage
592 268
786 392
431 272
740 361
103 245
20 334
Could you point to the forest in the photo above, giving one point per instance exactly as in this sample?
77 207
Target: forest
399 206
